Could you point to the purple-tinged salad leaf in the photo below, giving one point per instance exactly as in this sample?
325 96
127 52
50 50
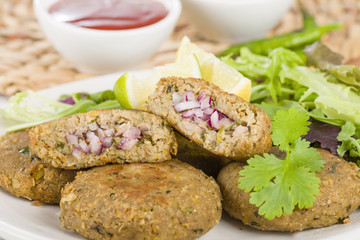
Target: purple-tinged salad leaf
324 134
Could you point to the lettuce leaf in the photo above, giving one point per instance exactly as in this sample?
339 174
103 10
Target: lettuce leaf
320 56
27 109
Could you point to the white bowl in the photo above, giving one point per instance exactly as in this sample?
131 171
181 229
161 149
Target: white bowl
104 51
235 20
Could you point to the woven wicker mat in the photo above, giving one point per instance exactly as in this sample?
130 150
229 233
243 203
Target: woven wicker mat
28 61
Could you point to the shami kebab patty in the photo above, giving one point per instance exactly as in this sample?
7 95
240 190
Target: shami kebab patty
25 177
103 136
168 200
338 197
218 121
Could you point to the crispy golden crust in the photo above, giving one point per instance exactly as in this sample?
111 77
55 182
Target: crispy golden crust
48 140
338 197
168 200
256 141
29 178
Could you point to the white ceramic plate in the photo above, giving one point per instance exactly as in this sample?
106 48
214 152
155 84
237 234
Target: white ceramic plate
20 220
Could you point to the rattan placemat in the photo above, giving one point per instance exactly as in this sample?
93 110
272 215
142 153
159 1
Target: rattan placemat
28 61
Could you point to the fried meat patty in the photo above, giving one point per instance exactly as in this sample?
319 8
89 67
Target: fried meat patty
167 200
25 177
220 122
338 197
103 136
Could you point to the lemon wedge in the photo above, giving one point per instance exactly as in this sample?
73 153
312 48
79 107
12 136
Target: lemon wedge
214 70
191 61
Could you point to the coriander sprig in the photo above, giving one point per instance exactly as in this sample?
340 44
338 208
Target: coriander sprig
276 185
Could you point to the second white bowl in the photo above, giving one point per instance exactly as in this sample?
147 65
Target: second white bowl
235 20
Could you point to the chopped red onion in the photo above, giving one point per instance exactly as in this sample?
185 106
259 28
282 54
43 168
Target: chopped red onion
121 129
188 114
79 133
99 138
101 133
186 105
127 143
132 132
95 145
200 110
177 98
104 126
208 111
226 122
205 103
83 145
202 94
107 142
93 126
189 95
239 130
214 120
72 139
77 153
109 132
90 134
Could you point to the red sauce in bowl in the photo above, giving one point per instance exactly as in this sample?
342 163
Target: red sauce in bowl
109 14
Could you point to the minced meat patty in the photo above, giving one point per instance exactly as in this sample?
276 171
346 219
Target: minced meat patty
25 177
218 121
167 200
103 136
338 197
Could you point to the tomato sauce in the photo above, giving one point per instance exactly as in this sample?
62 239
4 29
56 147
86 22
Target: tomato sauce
109 14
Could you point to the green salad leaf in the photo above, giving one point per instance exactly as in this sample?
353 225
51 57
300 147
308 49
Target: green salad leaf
346 134
282 80
320 56
30 106
277 185
27 109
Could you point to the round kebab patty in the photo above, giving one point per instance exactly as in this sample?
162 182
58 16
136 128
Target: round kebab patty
28 177
338 197
168 200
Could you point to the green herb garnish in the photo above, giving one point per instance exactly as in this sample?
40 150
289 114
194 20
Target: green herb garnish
276 185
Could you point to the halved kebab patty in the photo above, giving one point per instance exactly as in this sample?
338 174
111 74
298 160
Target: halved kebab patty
103 136
220 122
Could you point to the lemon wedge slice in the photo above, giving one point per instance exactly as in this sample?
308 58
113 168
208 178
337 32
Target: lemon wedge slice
191 61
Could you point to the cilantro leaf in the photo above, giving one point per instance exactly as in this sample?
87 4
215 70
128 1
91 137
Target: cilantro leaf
304 185
303 155
273 200
288 126
259 172
276 185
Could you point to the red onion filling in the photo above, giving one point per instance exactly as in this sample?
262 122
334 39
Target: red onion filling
97 138
199 109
